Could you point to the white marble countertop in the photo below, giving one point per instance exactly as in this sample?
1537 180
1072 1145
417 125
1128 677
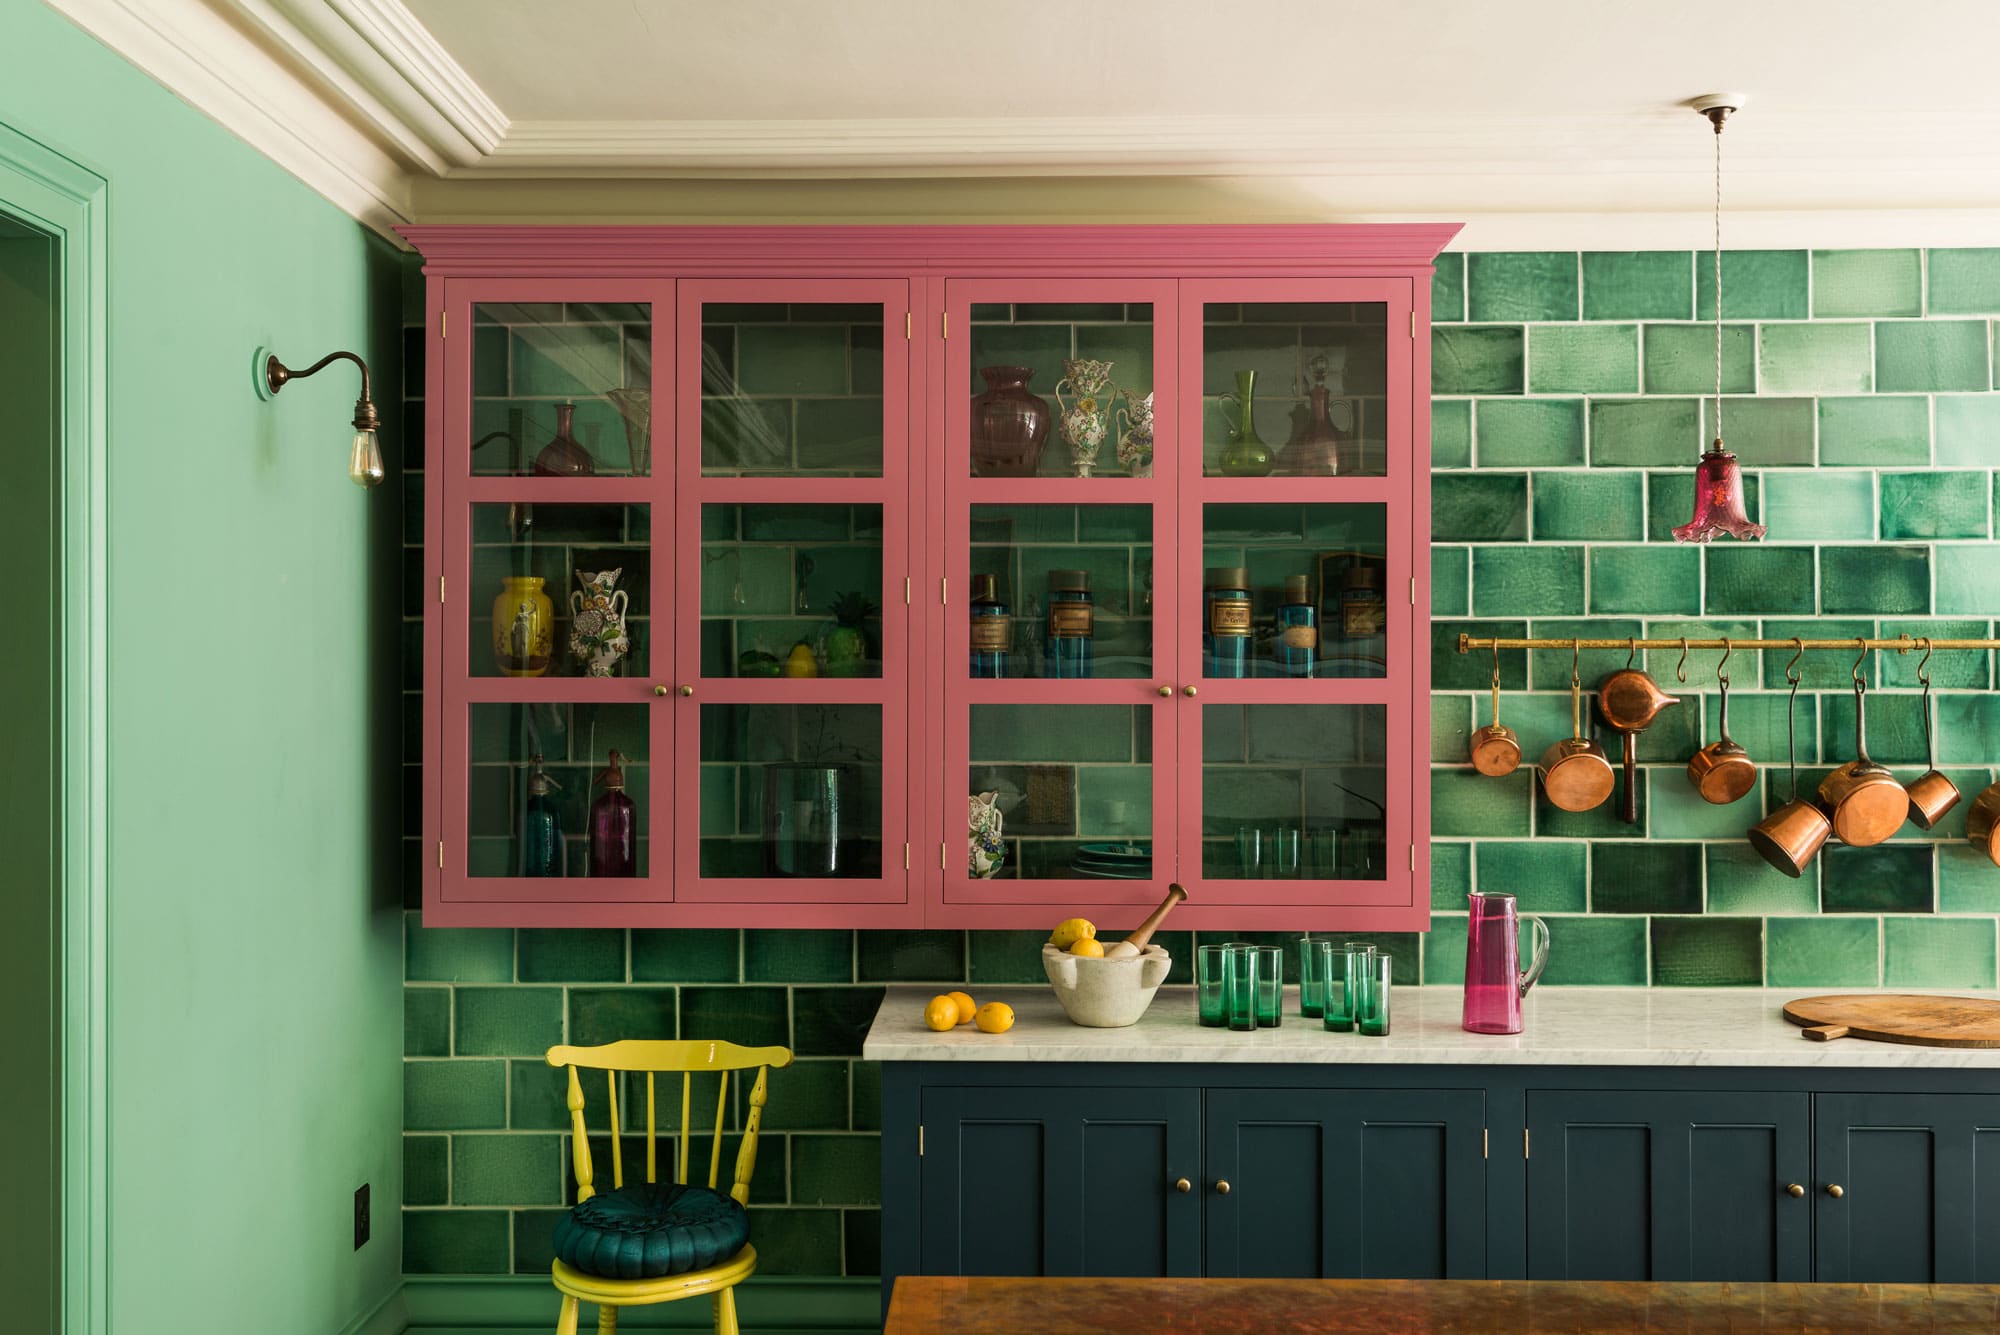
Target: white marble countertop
1562 1026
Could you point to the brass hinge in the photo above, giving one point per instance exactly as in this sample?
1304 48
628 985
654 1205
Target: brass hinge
943 594
444 324
1485 1142
440 855
920 1140
906 590
1413 590
944 324
1413 322
1524 1142
906 324
440 588
906 857
1413 857
943 850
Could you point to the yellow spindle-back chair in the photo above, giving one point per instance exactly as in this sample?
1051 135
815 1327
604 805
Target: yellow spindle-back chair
650 1058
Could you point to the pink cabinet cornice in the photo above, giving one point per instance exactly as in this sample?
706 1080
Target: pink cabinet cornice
711 499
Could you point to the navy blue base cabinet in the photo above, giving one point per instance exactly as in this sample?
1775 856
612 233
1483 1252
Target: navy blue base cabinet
1498 1172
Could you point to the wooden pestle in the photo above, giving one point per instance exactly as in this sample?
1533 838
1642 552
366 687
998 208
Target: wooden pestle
1144 933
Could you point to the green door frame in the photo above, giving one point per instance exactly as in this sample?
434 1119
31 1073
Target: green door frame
66 200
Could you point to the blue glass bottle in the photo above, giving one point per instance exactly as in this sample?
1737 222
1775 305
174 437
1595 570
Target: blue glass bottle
541 826
1298 630
1225 630
992 635
1066 639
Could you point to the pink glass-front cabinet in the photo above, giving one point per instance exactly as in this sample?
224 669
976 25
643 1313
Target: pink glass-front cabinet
829 533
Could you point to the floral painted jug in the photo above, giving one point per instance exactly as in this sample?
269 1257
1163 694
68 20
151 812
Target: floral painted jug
985 849
597 621
1135 433
1084 418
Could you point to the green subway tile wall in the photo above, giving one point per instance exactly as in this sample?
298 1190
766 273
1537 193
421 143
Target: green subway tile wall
1568 410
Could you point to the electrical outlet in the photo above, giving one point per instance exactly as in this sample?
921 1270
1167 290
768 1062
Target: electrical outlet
360 1216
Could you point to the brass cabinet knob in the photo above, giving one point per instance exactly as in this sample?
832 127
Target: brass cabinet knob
661 690
687 690
1835 1190
1166 691
1187 690
1183 1186
1794 1189
1222 1185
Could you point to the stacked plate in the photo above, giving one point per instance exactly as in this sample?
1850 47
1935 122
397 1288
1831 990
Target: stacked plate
1114 862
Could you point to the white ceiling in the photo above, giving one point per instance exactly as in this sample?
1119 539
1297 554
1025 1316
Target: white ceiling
1523 116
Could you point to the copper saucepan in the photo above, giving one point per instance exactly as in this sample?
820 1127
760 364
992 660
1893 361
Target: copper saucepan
1629 701
1575 772
1496 751
1982 820
1932 795
1862 798
1791 837
1722 772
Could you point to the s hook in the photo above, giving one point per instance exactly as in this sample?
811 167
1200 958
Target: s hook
1721 674
1924 667
1681 668
1792 668
1861 643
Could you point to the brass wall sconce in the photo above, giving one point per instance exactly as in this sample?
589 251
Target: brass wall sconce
364 457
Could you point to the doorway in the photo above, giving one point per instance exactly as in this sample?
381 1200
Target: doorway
32 782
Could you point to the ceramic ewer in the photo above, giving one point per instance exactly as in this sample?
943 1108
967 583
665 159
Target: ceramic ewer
1085 416
597 621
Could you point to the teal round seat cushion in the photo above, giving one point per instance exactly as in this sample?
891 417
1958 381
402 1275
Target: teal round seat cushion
649 1230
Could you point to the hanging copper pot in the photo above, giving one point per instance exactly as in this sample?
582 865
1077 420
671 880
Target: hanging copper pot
1932 795
1496 751
1575 772
1791 837
1629 701
1982 820
1862 798
1722 772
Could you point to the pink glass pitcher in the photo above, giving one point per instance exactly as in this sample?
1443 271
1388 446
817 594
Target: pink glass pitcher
1494 984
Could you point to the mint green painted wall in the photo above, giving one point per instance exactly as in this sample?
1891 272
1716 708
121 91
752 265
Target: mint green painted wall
30 1148
254 924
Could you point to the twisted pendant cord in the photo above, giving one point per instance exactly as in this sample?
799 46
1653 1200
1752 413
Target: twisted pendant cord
1718 280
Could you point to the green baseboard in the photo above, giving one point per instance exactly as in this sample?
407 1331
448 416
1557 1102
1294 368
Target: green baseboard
471 1305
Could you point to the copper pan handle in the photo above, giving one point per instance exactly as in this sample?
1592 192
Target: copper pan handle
1628 803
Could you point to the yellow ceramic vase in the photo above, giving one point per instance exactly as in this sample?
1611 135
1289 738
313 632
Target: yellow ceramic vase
524 627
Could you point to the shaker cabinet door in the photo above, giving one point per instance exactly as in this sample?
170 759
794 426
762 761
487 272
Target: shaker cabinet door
1919 1181
1646 1185
1325 1184
1060 1181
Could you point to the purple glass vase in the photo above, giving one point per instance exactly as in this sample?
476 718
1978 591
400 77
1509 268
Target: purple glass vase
1494 984
1009 425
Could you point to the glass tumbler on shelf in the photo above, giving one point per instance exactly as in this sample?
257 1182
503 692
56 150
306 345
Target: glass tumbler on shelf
1250 852
1313 967
1270 986
1208 980
1239 986
1371 1017
1346 965
1283 855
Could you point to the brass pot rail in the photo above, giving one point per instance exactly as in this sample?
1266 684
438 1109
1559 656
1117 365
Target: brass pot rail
1902 644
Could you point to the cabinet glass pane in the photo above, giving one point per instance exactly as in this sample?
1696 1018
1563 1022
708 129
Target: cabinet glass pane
1072 591
791 790
791 390
541 367
516 831
778 577
1062 389
1074 787
1314 377
1294 791
1257 619
561 590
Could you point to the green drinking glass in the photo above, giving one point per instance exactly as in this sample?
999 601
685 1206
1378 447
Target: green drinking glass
1312 976
1270 986
1208 984
1239 986
1346 976
1372 1017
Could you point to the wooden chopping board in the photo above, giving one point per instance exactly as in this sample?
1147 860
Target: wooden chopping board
1933 1022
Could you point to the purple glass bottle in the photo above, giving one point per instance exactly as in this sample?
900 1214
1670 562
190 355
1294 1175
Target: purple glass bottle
614 826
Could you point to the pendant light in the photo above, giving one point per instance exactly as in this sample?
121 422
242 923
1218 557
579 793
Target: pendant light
1718 482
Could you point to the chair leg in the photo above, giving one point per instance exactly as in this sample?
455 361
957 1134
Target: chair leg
566 1319
725 1312
607 1321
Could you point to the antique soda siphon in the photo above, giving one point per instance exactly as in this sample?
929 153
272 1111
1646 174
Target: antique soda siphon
614 825
541 827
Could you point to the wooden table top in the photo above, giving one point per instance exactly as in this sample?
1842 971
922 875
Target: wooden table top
972 1306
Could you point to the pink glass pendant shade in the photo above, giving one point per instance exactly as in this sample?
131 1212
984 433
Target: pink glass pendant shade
1718 500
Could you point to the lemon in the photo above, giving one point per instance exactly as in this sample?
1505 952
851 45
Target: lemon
941 1013
1087 946
1070 930
966 1006
995 1017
